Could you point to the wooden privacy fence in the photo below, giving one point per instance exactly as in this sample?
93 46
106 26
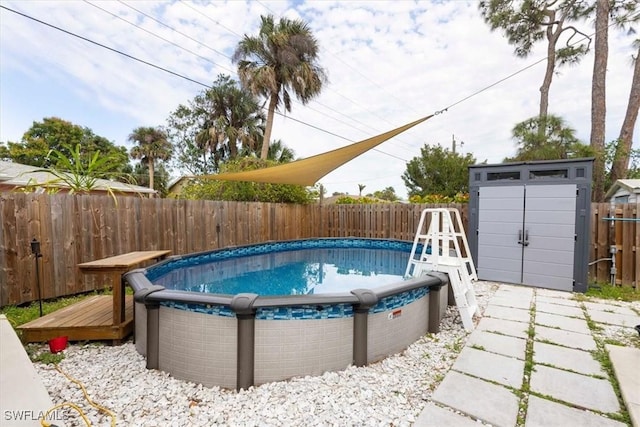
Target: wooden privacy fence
382 221
615 233
77 229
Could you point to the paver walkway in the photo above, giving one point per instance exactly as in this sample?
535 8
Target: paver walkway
564 385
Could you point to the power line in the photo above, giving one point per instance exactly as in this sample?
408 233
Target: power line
157 36
177 31
209 18
169 71
231 31
397 139
213 63
105 47
314 101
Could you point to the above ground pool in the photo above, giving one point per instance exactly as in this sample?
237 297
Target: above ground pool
243 316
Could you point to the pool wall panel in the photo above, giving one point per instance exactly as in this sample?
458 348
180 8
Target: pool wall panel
198 347
141 328
444 300
392 331
290 348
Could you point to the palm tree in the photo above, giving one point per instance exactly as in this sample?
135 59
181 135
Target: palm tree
235 117
557 140
152 145
280 152
360 188
281 59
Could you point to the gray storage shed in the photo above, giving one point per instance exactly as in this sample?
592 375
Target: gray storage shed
529 222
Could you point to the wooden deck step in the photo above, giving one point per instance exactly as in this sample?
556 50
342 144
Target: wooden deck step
90 319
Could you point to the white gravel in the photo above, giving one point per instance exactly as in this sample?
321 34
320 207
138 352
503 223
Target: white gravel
617 335
390 392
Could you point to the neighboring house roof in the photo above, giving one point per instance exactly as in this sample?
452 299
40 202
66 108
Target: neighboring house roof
176 185
632 186
16 175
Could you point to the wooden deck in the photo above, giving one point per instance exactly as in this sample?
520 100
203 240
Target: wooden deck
115 267
89 319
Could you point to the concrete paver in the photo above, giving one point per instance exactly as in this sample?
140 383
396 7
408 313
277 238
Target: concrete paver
558 301
563 310
480 399
545 413
496 343
515 302
565 338
567 358
490 366
625 361
506 327
563 322
581 390
507 313
514 292
435 416
611 308
549 293
614 318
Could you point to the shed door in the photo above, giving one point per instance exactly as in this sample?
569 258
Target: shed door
550 221
526 234
500 219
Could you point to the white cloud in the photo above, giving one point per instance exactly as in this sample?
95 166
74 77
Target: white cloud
388 63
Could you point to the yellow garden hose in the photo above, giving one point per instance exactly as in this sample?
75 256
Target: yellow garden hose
45 423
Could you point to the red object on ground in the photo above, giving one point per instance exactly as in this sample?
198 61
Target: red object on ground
58 344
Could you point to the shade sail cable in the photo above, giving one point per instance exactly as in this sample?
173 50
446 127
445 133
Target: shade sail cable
310 170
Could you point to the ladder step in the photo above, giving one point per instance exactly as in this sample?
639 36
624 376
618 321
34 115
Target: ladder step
442 236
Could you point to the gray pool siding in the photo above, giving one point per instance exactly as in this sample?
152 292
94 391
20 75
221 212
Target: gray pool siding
444 300
202 348
198 347
390 332
290 348
140 328
190 336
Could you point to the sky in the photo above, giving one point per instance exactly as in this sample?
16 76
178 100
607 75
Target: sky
388 63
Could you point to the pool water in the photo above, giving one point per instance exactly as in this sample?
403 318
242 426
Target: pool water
292 272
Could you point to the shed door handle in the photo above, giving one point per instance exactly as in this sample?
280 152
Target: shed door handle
526 238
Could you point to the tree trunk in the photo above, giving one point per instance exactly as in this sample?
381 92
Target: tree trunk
598 97
233 148
267 129
151 172
552 40
623 147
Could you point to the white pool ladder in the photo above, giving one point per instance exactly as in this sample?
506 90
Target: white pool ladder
441 251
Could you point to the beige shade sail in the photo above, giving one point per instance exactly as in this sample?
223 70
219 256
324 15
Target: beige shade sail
308 171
